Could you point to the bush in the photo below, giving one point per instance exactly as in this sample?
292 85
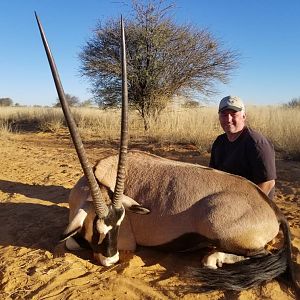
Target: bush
294 103
6 102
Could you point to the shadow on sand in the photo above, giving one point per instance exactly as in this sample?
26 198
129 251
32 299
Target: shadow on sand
52 193
31 225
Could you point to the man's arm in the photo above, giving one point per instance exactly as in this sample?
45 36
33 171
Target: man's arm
212 163
267 186
262 162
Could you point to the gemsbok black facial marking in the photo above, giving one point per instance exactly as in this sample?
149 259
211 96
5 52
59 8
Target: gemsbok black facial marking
105 232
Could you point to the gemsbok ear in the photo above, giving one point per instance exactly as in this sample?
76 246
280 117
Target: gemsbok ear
134 206
76 224
138 209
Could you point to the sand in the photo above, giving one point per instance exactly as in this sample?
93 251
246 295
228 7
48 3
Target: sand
37 172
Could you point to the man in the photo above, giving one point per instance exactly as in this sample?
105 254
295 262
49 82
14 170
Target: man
241 150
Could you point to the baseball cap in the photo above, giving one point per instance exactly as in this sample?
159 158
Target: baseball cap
231 102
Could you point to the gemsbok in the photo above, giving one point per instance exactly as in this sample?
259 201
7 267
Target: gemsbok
174 205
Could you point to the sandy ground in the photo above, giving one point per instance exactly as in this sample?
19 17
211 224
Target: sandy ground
36 175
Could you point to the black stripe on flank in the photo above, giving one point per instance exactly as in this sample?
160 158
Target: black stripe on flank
187 242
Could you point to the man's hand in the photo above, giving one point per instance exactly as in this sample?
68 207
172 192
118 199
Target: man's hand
267 186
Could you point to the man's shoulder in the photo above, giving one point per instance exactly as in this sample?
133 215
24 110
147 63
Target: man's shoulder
257 138
221 137
255 135
220 140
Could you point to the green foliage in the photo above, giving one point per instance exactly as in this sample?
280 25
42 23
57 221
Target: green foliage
163 59
189 103
86 103
294 103
72 101
6 102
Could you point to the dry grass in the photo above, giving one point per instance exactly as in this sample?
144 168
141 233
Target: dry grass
43 119
5 129
281 125
198 126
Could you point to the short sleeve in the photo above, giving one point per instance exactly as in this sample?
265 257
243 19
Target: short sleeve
261 157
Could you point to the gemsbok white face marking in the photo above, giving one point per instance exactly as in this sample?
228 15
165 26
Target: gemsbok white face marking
121 219
103 229
106 261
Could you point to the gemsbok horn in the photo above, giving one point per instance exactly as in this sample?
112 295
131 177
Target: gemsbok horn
103 211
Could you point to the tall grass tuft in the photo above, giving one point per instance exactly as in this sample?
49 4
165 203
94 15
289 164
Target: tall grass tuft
5 129
198 126
281 125
52 121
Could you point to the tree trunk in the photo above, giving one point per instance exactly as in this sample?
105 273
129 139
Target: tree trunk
146 123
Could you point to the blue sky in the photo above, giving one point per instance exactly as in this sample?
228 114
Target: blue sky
265 32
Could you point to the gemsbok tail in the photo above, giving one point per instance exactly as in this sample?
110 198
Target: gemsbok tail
249 273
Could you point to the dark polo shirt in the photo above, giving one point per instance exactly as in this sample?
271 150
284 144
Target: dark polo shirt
251 155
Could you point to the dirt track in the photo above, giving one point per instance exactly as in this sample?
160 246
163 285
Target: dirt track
37 172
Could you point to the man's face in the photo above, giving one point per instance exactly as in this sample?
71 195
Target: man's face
232 121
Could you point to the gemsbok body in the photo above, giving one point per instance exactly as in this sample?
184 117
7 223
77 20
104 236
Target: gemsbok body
169 202
191 206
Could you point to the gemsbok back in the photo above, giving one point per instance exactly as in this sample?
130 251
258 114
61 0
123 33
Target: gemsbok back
184 206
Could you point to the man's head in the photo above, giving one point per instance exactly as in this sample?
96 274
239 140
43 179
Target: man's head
231 102
232 115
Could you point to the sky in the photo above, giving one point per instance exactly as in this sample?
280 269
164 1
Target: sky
266 34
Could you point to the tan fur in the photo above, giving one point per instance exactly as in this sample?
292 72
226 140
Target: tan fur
186 198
